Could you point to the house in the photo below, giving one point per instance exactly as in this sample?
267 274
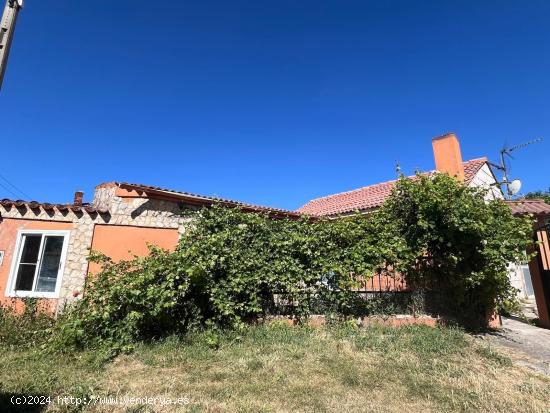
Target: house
532 280
448 159
44 247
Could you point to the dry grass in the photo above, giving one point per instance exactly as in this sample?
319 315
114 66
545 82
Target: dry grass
282 369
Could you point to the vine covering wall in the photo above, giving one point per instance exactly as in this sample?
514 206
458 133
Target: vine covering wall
232 267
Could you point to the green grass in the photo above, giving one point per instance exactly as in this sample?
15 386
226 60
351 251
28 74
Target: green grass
276 368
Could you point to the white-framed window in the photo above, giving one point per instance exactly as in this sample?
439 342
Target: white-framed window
37 266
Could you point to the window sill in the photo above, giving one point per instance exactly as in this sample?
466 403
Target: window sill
31 294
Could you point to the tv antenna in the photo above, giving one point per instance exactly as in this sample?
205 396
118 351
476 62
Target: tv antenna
512 186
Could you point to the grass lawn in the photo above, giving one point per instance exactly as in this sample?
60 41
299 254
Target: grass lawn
282 369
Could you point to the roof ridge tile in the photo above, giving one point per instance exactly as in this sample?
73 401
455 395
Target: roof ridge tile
374 194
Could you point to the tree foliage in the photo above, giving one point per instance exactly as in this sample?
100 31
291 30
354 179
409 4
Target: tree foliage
457 242
128 301
545 195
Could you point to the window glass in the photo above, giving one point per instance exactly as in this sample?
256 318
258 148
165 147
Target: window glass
31 248
49 265
25 277
39 263
28 261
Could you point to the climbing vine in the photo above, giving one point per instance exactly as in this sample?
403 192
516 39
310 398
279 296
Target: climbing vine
232 267
457 242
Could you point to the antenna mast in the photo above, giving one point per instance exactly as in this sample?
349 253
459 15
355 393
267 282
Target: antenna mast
7 27
514 186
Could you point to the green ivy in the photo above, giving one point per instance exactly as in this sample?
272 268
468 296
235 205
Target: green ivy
238 262
457 242
126 302
232 267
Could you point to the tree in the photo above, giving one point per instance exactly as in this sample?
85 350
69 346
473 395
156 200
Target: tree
545 195
456 243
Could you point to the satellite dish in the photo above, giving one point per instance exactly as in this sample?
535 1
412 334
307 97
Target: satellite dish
514 187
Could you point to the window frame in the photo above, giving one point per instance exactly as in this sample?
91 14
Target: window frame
17 252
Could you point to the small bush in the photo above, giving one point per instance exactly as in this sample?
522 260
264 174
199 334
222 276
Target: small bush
31 328
129 301
509 307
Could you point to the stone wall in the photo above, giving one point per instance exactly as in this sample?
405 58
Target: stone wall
79 240
137 211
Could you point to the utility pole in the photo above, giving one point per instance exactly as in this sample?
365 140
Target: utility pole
7 27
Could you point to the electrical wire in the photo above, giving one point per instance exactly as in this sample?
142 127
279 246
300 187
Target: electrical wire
25 195
9 190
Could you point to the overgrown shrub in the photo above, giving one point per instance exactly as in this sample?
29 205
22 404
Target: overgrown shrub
128 301
226 271
231 267
456 242
237 262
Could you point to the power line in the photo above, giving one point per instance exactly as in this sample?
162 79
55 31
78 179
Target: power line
9 190
25 195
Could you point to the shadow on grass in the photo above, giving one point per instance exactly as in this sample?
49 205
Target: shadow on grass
21 403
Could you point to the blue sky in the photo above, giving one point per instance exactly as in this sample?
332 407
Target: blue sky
268 102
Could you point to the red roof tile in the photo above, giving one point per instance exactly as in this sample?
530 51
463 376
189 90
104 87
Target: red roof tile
203 199
369 197
529 206
472 167
9 203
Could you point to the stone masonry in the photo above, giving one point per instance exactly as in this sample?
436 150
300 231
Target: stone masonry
138 211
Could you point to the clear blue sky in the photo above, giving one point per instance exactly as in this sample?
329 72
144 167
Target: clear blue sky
269 102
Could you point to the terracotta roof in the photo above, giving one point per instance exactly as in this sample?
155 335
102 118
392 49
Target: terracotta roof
204 200
472 167
33 205
529 206
369 197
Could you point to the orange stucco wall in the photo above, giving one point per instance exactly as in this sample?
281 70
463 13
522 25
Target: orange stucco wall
8 239
123 242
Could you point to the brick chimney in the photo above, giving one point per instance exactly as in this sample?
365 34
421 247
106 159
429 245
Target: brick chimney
78 195
448 158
